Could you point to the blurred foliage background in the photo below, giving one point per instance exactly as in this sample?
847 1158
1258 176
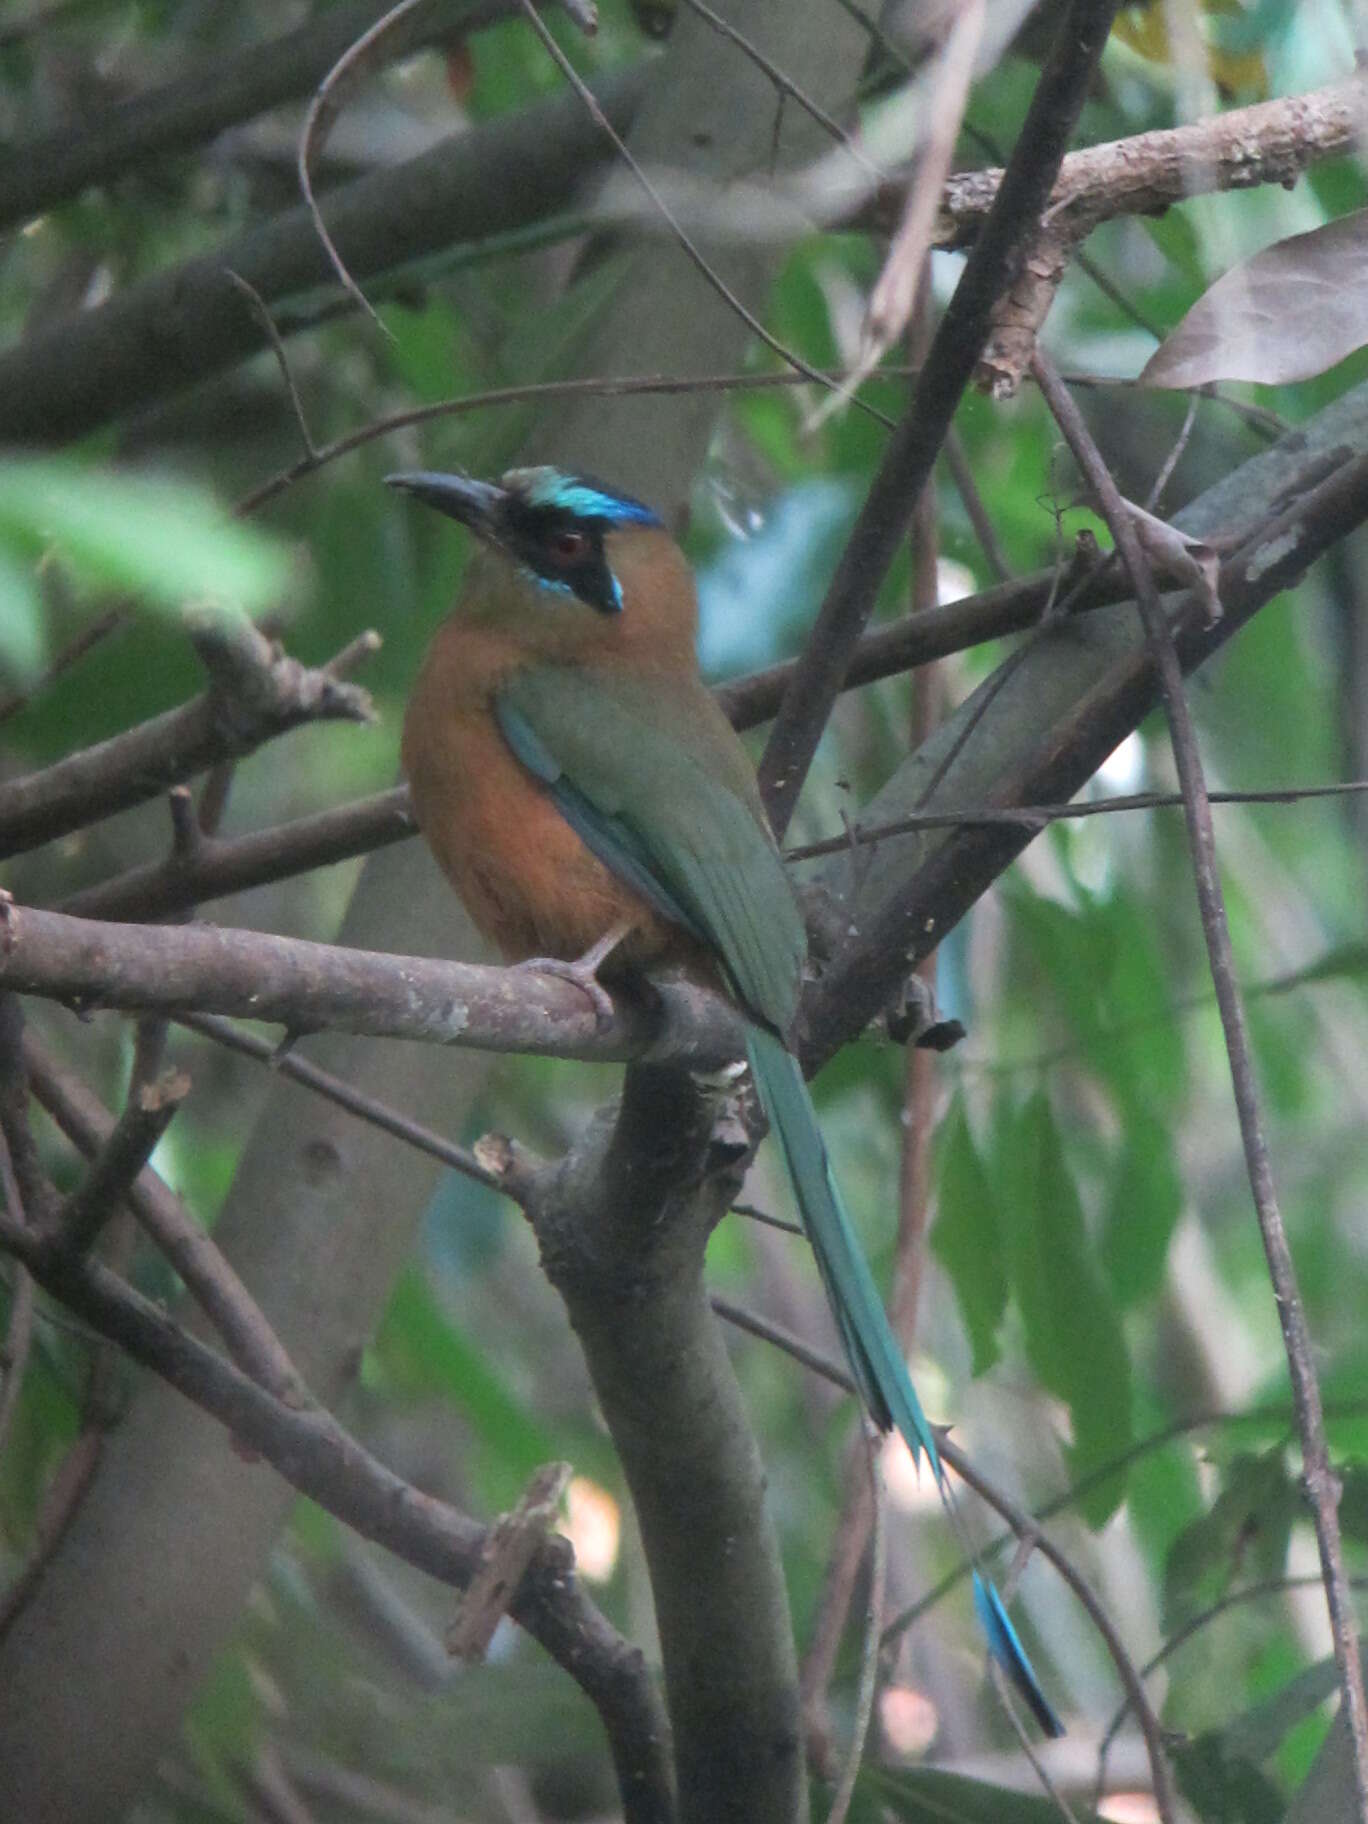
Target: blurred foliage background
1094 1309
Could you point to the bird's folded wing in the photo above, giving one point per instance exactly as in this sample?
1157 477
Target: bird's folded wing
659 788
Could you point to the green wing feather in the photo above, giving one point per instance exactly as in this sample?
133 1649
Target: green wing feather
661 790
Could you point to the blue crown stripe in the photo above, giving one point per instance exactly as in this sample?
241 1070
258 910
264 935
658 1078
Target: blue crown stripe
572 495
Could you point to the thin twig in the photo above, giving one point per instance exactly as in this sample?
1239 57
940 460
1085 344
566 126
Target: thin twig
957 461
14 1352
1171 461
998 1679
787 86
1025 1527
261 310
1321 1485
1037 816
76 648
686 242
906 269
1022 1524
121 1158
1079 1491
1251 1592
318 122
66 1492
771 1222
869 1652
335 1089
594 387
192 1253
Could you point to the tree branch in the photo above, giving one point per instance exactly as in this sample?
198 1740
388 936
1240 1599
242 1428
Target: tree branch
319 1458
912 450
216 1288
255 693
214 867
1322 1486
1080 689
622 1225
1270 142
186 112
182 325
305 986
120 1159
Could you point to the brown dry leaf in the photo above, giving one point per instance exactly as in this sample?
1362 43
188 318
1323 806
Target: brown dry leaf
1179 558
1289 312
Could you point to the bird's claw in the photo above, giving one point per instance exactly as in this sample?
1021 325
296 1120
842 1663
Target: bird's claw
583 972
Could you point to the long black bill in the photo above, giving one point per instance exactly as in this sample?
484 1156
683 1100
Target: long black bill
473 503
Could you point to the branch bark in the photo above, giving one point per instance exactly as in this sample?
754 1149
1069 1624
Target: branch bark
319 1458
254 975
914 445
1038 734
192 109
622 1225
190 322
255 693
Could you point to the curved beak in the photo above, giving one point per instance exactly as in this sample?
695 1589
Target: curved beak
473 503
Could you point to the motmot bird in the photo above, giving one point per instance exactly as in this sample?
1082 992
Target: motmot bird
583 792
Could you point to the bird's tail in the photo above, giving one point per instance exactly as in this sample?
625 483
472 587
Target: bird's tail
876 1361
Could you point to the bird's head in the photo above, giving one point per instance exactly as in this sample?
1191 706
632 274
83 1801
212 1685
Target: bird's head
560 544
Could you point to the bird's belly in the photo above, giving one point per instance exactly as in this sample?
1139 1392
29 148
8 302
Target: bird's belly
526 878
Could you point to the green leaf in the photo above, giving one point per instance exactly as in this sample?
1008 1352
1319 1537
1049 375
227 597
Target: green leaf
967 1238
1144 1204
1225 1791
1255 1735
1247 1528
164 540
22 645
924 1795
418 1350
1074 1335
1353 1508
221 1728
1103 964
1328 1793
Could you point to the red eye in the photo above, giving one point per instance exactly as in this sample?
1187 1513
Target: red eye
568 545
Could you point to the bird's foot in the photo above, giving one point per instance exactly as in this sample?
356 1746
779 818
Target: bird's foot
583 971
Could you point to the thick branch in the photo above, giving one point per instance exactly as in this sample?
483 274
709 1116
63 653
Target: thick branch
912 450
305 986
319 1458
1040 729
622 1225
1272 142
194 108
255 694
213 866
187 323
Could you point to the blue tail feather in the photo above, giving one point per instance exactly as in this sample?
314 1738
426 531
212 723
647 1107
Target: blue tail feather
876 1361
1005 1645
